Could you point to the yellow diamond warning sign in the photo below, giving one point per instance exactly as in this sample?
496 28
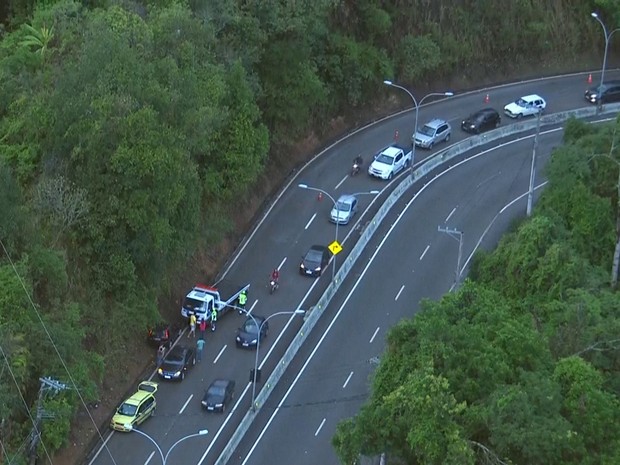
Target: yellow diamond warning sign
335 248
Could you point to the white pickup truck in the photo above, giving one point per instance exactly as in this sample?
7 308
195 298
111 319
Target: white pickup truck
201 300
389 161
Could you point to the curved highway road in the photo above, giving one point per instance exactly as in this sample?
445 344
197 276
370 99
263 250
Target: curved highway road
286 232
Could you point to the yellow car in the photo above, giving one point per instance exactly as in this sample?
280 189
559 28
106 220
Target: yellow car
136 409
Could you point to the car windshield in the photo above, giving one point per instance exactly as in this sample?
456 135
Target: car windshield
313 256
250 327
192 304
343 206
216 391
427 130
127 409
522 103
383 158
174 358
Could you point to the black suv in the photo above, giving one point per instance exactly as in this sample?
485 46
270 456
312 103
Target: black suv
608 92
482 120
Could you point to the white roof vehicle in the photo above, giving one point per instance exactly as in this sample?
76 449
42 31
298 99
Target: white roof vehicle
525 106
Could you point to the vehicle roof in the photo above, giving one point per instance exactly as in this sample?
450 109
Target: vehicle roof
199 294
391 151
436 122
138 397
221 382
258 318
529 98
347 198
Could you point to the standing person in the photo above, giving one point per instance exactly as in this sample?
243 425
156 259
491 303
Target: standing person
192 326
161 351
202 327
200 344
243 299
213 318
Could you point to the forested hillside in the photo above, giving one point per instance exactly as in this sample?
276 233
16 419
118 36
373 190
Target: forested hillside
522 364
132 131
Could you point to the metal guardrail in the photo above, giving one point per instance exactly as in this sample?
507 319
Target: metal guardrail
446 155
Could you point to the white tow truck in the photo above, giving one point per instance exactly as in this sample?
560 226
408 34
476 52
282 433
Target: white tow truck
389 161
202 299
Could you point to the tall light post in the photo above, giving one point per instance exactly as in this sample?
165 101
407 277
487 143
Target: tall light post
202 432
259 328
417 107
336 206
608 35
458 235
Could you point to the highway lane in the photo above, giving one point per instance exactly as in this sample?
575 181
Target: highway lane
281 240
421 263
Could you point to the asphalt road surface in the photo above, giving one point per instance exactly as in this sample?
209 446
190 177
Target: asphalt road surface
294 223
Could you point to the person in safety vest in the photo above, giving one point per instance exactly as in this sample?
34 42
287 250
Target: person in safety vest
213 318
243 299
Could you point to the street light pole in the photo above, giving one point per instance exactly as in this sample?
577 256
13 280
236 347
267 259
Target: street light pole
164 458
336 206
599 102
458 235
530 193
259 328
417 108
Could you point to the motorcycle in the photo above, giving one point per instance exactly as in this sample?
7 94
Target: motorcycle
273 285
357 166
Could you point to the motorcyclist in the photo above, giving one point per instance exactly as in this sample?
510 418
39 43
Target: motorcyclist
358 161
275 275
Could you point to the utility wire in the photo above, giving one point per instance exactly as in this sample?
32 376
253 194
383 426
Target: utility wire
49 336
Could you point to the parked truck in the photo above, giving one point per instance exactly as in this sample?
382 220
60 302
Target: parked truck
202 299
390 161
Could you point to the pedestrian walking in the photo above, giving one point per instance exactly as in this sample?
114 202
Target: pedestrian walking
192 326
202 327
161 351
243 299
213 318
200 344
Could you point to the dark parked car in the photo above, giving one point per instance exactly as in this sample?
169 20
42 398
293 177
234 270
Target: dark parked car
162 333
314 261
220 392
247 335
176 363
608 92
481 121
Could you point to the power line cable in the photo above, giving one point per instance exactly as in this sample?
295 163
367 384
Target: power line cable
62 361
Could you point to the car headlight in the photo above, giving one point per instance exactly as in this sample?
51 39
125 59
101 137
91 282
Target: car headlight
204 402
160 371
254 341
302 266
238 339
219 405
178 373
317 269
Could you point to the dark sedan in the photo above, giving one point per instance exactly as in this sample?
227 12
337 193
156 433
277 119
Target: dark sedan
247 335
607 93
220 392
314 261
176 363
481 121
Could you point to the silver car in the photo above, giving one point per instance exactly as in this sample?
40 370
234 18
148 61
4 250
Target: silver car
431 133
343 211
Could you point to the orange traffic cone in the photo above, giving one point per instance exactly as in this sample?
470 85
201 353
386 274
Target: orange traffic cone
320 196
486 98
590 78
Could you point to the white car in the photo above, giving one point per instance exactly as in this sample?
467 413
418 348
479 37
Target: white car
525 106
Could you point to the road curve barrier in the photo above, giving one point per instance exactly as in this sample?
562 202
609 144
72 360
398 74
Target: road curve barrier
429 165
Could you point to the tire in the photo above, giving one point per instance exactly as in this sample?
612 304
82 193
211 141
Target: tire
407 163
431 145
390 176
447 139
182 375
520 115
497 123
194 361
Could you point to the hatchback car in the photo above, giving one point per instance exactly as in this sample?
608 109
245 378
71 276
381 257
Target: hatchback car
433 132
482 120
343 211
247 335
527 105
607 93
314 261
136 408
219 393
176 363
